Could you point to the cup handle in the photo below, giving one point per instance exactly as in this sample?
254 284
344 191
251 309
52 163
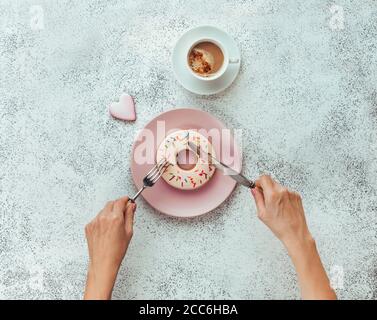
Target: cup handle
234 60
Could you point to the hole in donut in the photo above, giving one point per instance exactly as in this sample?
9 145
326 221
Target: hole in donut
186 159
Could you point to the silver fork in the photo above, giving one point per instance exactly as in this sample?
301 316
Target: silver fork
152 176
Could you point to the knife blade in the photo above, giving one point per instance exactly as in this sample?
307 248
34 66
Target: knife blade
223 167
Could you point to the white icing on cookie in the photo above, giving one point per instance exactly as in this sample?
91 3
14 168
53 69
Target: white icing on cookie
179 178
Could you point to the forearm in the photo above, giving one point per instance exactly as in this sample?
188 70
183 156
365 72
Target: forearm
312 276
99 285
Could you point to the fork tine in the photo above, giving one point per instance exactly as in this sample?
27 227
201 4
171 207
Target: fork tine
152 173
164 166
152 176
154 180
155 166
162 163
156 169
157 173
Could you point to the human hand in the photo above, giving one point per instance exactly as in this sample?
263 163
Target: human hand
282 211
108 236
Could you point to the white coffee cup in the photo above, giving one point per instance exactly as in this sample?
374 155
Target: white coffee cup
227 60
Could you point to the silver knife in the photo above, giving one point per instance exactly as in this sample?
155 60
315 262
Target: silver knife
223 167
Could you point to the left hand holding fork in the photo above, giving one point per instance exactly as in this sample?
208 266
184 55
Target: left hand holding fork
108 236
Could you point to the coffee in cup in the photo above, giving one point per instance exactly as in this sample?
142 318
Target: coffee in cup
205 58
208 59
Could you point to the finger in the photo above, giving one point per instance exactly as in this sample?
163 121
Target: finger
108 208
266 183
129 216
87 231
259 200
120 205
293 195
297 198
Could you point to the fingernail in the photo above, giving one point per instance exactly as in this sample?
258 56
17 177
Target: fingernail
134 206
253 192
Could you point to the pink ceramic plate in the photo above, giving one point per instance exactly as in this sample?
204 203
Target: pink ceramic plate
183 203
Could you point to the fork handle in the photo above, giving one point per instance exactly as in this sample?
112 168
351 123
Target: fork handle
137 194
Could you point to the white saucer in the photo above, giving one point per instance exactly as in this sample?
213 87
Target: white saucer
183 75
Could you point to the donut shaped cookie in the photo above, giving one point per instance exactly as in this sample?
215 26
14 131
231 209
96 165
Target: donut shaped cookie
174 175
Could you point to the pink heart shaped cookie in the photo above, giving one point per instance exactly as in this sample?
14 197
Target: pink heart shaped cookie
124 109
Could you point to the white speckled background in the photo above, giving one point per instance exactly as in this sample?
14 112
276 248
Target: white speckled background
306 98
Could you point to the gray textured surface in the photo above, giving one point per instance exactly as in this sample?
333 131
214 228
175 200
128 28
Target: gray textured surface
306 98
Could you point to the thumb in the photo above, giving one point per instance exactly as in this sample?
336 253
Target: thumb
129 218
259 200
